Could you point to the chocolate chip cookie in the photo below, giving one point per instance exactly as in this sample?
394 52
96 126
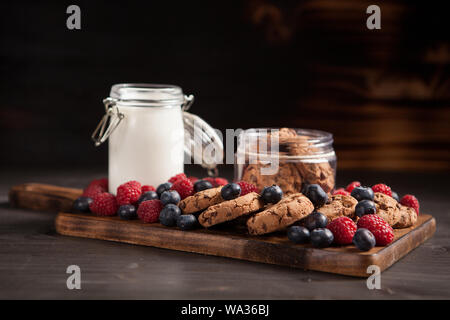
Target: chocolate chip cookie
408 216
280 215
320 173
338 206
287 177
201 200
387 208
231 209
317 173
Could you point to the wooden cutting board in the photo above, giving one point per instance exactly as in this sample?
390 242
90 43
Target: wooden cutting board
229 240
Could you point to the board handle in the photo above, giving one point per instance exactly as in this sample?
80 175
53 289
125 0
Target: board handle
43 197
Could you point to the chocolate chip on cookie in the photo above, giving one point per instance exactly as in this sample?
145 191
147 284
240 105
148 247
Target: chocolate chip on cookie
338 206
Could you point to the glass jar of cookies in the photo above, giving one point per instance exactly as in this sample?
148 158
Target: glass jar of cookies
287 157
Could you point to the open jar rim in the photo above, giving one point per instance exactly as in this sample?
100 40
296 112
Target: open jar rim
313 136
318 143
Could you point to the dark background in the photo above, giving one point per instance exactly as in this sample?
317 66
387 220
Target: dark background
312 64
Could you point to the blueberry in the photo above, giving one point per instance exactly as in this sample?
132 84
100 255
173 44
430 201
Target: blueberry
81 204
230 191
149 195
272 194
298 234
201 185
363 239
365 207
170 196
315 193
169 215
395 196
315 220
163 187
187 222
304 187
362 193
127 212
321 238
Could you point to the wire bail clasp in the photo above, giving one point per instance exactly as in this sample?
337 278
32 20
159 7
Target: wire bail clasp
113 116
188 101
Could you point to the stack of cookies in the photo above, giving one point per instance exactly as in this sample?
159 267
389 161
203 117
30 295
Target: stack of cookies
395 214
299 163
264 218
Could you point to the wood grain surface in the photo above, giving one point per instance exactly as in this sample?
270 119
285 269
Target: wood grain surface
45 197
234 242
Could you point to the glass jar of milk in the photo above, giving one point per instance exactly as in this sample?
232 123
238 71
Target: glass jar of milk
144 124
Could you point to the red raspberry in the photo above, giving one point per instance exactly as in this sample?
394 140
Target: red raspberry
149 210
184 187
216 182
147 188
128 193
383 189
383 232
247 187
193 179
341 191
221 181
92 190
95 187
410 201
177 177
103 182
343 229
352 186
104 204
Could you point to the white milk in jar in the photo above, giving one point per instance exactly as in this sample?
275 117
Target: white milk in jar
144 123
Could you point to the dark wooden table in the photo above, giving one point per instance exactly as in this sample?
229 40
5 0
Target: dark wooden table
33 258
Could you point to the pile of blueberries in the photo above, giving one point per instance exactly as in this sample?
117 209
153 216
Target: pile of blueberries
170 214
313 227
